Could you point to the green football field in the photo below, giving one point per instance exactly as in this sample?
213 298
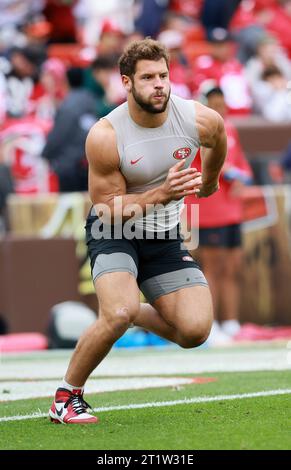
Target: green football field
168 398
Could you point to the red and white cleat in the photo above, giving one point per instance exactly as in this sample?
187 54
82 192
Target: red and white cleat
70 408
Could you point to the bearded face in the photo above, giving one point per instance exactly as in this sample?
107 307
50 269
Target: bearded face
150 86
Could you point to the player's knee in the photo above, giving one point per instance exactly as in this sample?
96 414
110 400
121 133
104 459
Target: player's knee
193 336
120 319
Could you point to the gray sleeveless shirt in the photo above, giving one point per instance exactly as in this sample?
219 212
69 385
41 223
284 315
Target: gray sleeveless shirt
147 154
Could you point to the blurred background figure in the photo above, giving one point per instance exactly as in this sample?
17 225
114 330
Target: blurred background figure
60 15
54 88
218 13
65 146
21 85
272 95
275 17
246 30
150 16
268 54
19 12
103 81
111 39
220 217
180 74
95 18
222 66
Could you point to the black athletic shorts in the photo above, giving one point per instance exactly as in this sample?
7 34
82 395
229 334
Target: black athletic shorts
228 236
160 266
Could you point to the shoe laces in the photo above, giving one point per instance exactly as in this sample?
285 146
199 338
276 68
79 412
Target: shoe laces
79 405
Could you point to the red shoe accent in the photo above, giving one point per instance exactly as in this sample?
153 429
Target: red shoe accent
55 421
70 408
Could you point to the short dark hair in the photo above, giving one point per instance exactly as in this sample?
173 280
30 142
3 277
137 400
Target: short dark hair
75 77
271 71
104 62
214 91
146 49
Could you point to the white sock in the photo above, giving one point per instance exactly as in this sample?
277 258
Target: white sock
215 326
230 327
70 387
217 337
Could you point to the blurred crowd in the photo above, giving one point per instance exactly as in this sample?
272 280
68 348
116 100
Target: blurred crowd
58 72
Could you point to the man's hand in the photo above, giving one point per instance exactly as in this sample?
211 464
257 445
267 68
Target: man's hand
180 183
207 189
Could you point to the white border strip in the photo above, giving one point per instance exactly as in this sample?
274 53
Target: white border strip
186 401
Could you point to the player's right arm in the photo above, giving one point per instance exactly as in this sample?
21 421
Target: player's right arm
107 185
213 142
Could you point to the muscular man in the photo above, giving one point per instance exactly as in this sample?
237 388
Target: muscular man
139 172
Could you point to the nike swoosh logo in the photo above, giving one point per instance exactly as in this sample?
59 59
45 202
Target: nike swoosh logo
60 412
133 162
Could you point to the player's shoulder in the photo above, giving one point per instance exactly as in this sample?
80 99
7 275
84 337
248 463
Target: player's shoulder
101 142
203 113
101 134
208 121
100 130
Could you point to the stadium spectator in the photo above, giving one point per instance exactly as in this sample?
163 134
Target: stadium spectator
110 40
20 84
103 81
18 12
91 16
59 14
54 88
275 17
268 54
65 145
187 8
10 37
218 13
38 32
21 143
180 73
220 217
246 30
150 16
272 96
222 66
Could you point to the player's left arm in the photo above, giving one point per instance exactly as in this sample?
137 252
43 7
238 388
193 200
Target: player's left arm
213 143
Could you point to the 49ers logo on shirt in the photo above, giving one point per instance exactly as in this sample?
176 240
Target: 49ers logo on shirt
182 153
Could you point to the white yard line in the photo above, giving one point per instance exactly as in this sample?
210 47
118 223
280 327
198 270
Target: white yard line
10 391
186 401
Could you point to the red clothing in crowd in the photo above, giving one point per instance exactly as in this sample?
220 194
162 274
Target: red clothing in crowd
190 8
62 19
278 22
230 77
269 14
222 208
243 17
21 144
